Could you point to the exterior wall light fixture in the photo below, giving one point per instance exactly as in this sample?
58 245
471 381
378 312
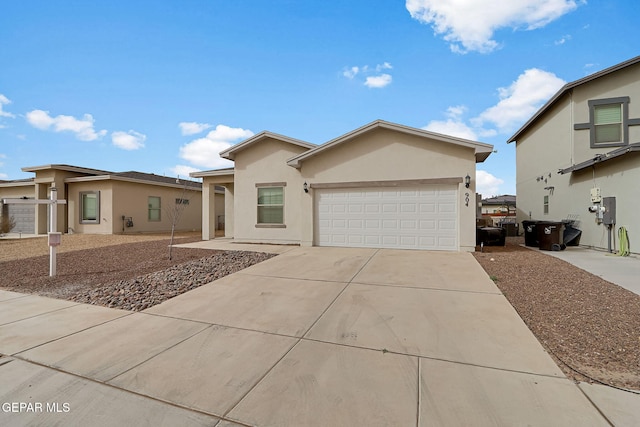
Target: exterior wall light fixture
467 181
305 187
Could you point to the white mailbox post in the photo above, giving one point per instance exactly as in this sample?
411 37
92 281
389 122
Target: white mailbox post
55 238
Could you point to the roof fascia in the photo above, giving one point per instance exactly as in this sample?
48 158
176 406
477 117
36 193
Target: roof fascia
567 87
127 179
67 168
482 150
230 152
215 172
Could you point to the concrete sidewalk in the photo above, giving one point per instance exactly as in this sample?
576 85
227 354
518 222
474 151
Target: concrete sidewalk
623 271
315 336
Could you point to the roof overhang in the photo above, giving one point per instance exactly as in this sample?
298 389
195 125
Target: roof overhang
216 172
68 168
601 158
482 150
230 153
129 179
30 182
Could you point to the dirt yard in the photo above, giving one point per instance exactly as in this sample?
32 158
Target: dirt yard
589 326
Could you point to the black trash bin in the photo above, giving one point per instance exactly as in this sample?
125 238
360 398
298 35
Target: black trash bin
571 235
550 235
491 236
530 233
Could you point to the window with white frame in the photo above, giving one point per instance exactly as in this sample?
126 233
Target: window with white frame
89 207
154 208
271 205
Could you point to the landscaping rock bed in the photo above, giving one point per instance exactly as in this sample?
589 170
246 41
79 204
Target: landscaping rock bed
151 289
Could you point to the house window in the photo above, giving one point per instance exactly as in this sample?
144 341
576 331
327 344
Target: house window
90 207
607 121
154 208
271 205
545 207
182 201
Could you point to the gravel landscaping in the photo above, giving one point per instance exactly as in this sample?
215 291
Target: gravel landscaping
134 275
589 326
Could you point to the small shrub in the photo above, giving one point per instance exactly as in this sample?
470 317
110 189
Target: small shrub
7 223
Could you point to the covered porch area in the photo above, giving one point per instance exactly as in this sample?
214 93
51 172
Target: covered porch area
217 202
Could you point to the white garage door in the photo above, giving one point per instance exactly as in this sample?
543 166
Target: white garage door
422 217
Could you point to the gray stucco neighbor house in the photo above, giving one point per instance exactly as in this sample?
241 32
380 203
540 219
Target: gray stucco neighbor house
580 152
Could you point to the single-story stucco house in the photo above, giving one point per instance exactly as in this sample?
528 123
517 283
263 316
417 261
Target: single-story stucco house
382 185
103 202
579 154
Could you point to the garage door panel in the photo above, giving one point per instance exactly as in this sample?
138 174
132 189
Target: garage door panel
409 218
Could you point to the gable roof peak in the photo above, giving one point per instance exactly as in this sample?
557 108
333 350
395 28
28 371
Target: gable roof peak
230 153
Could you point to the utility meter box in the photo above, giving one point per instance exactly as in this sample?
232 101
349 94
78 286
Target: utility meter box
55 239
595 195
609 205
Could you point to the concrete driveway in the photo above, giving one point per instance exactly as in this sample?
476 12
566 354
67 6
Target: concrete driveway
312 337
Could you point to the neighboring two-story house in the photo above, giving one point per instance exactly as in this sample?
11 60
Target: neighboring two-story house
580 150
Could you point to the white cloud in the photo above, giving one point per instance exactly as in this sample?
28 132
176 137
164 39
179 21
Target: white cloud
83 128
469 25
521 99
205 151
350 73
562 40
191 128
452 127
183 170
4 176
5 101
487 184
378 81
129 141
371 76
517 103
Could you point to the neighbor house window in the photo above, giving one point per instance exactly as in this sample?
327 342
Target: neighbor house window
90 207
545 207
154 208
607 121
271 205
182 201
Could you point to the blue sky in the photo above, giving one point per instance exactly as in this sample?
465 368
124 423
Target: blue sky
163 86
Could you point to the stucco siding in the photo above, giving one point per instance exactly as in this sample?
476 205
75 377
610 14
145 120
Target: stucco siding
131 200
266 162
105 214
551 143
385 155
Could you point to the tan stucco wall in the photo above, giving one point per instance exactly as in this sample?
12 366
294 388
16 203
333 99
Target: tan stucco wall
131 200
385 155
266 162
118 198
17 191
552 144
105 226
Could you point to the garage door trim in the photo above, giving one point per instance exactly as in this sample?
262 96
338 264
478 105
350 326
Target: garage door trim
394 183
